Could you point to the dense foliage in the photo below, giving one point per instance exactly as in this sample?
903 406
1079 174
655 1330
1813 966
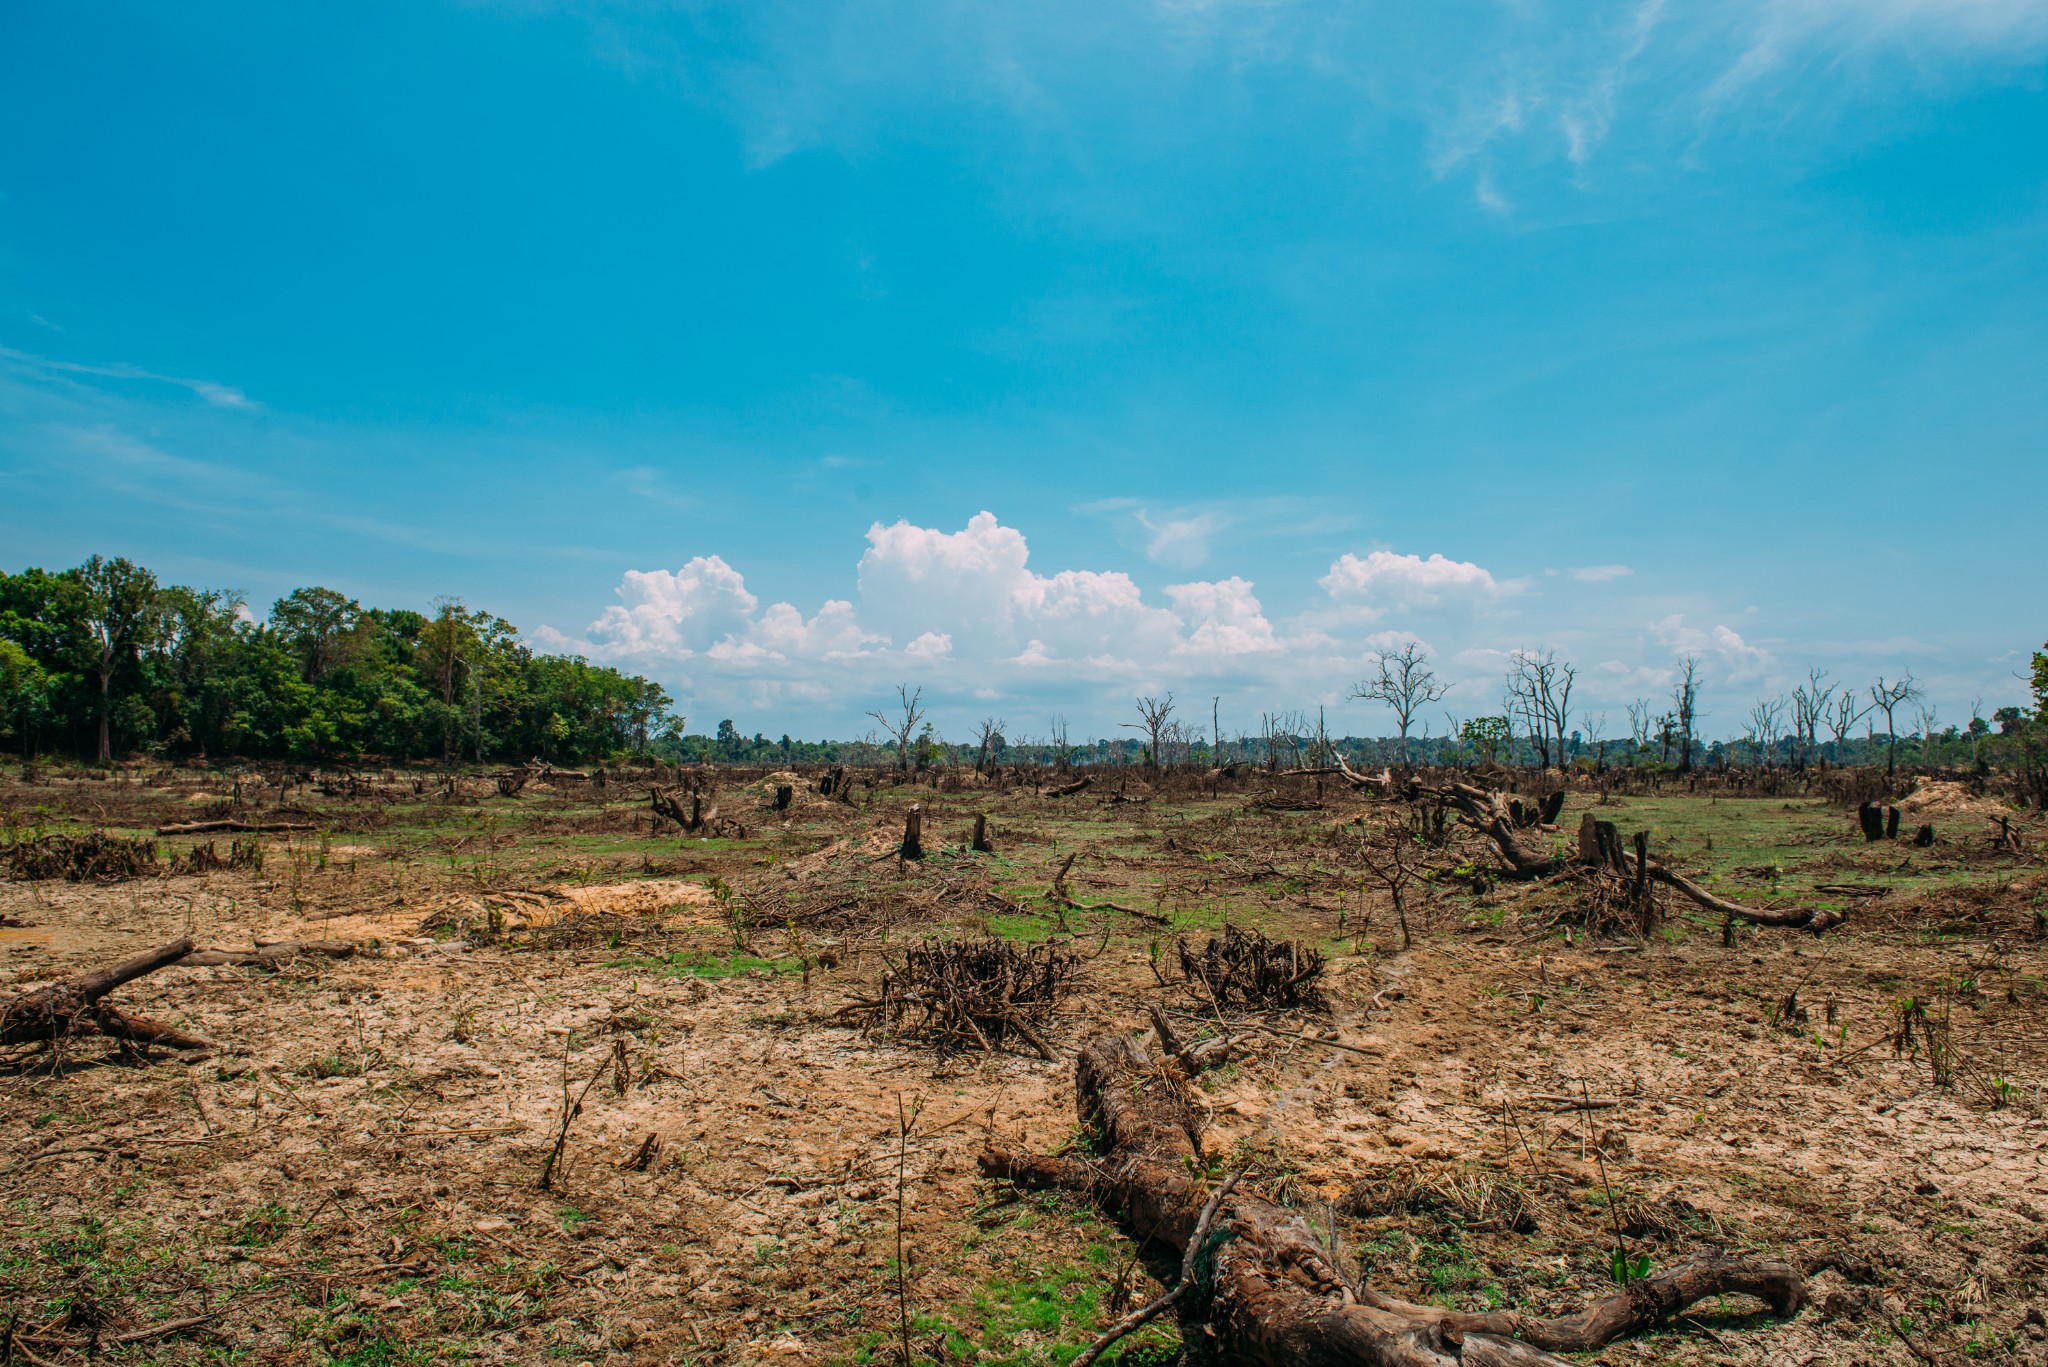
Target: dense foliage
104 659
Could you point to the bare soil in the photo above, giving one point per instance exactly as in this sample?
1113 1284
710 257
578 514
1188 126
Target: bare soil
354 1174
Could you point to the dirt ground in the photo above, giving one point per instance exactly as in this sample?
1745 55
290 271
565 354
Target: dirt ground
354 1173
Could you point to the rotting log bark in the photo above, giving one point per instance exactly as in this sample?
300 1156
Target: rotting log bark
48 1013
1277 1294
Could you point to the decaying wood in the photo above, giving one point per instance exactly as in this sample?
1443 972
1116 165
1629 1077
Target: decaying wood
225 826
913 833
1488 812
268 955
980 843
1069 789
48 1013
1277 1293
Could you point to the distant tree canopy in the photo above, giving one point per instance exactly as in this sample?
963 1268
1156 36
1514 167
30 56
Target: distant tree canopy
105 659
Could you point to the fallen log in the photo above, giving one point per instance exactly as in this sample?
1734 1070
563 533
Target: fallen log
225 826
1068 790
1487 812
1278 1294
267 956
47 1013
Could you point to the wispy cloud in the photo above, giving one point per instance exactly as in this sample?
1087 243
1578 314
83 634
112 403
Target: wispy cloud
213 392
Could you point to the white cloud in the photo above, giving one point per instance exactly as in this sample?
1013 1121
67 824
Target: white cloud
1383 579
675 615
965 614
1179 542
212 391
1740 660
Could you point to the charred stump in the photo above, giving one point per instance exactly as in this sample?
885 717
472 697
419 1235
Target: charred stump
913 832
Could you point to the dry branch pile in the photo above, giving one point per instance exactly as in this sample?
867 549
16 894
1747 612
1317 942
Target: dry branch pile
972 991
1246 967
94 857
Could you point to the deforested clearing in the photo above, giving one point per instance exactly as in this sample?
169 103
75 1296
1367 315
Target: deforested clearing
545 1076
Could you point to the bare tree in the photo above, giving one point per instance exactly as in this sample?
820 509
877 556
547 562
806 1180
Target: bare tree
1685 705
913 713
1389 856
1153 716
1539 690
990 734
1403 680
1843 715
1888 698
1766 720
1595 725
1061 753
1639 723
1809 710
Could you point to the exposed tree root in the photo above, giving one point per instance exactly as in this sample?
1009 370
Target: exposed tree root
1276 1294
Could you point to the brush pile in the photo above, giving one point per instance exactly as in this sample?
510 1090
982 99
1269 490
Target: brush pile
1247 968
94 857
979 992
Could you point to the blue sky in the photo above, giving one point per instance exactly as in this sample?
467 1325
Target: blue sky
701 338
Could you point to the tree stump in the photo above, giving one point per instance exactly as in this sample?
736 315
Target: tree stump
980 843
913 832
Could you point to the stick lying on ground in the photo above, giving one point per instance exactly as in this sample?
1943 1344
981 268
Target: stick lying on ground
238 827
1278 1295
50 1012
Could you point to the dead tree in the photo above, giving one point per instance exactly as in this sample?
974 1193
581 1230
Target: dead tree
990 736
1887 698
903 728
1387 856
1278 1293
1685 706
1403 680
1154 715
49 1013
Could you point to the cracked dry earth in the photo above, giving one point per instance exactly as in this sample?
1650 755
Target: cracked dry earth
354 1175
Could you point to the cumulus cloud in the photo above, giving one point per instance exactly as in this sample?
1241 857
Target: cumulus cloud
676 615
1386 579
966 614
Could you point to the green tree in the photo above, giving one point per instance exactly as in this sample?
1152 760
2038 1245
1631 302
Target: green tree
119 608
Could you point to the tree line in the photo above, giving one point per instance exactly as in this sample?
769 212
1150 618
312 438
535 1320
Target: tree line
106 659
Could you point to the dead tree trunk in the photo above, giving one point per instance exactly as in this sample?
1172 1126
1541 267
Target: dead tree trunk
1277 1295
913 832
49 1012
1871 817
980 844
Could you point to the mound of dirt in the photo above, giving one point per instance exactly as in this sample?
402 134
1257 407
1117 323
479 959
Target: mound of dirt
1942 799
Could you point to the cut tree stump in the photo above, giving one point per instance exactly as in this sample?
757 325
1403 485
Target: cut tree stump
1277 1295
913 832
